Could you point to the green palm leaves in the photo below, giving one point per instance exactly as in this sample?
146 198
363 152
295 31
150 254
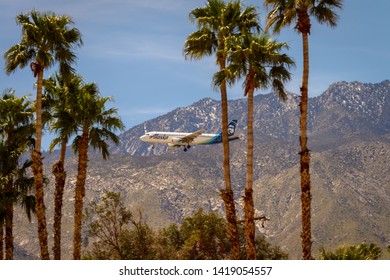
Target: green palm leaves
257 59
362 251
16 120
47 39
216 22
287 12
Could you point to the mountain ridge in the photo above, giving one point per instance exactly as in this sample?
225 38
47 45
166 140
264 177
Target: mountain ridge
349 136
343 108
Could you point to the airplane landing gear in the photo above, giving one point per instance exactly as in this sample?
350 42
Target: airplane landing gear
150 148
186 148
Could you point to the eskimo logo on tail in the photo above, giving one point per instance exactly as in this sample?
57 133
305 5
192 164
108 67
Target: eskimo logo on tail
232 127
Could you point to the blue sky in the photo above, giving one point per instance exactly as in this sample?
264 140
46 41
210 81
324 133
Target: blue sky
133 51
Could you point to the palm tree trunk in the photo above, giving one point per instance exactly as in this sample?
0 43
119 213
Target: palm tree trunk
227 194
305 156
1 240
58 170
9 238
80 193
248 197
39 124
60 177
37 168
9 217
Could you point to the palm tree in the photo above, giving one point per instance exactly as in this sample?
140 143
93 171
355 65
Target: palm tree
284 13
14 188
216 22
16 132
362 251
96 125
3 199
7 169
61 122
258 60
46 39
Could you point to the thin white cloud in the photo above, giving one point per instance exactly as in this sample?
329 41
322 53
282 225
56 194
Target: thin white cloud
127 46
119 29
144 111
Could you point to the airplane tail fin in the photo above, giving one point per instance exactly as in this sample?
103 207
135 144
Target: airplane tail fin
145 130
232 128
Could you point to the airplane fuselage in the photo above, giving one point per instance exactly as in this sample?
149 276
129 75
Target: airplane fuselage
174 138
177 139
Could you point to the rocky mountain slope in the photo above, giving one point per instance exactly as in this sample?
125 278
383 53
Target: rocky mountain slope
349 135
347 110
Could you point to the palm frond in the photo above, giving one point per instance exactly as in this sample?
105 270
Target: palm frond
199 44
18 55
75 144
28 204
324 11
283 13
47 39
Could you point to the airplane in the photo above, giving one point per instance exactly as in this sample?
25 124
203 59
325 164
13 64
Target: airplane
179 139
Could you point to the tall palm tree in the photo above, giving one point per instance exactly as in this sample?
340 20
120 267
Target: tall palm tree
46 39
7 171
3 198
63 123
96 126
16 187
16 132
216 22
258 60
299 12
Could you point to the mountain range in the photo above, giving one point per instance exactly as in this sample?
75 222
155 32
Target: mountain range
349 139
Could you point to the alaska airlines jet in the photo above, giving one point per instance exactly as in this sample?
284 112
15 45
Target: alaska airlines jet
177 139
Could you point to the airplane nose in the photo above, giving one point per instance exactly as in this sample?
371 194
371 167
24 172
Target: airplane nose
143 138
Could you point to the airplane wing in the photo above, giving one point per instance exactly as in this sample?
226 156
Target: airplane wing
190 137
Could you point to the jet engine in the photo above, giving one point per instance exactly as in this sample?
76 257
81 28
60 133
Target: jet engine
176 141
171 145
